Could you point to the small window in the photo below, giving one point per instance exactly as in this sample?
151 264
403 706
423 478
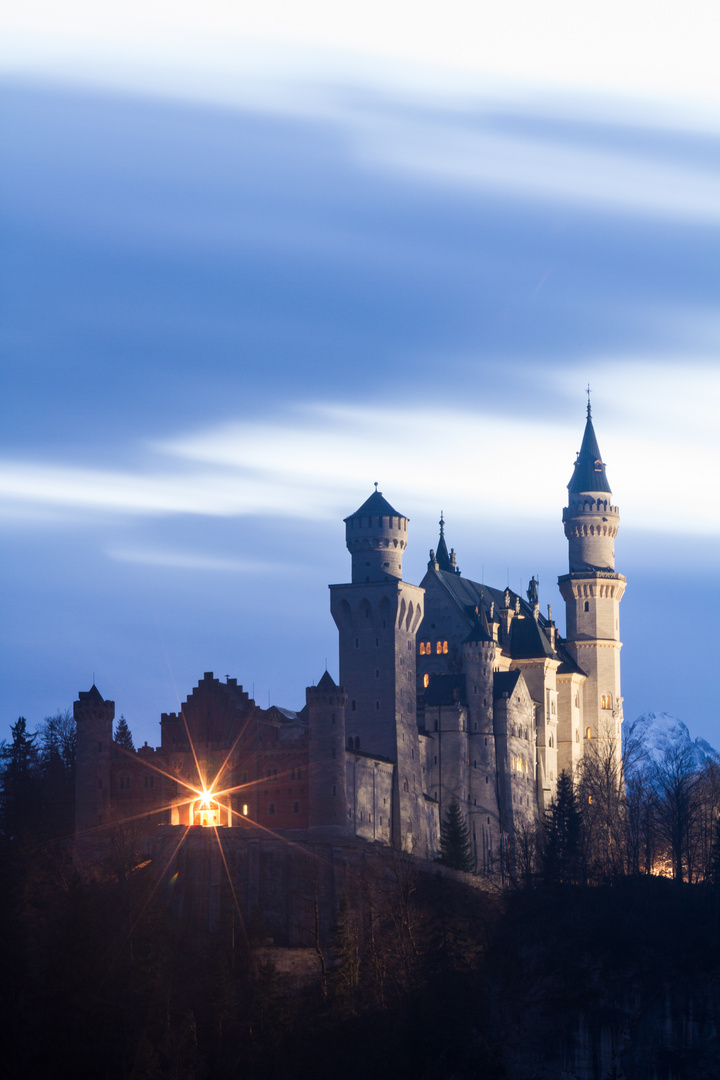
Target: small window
606 701
245 810
438 648
353 706
426 680
271 808
588 733
357 742
422 648
445 646
296 808
587 605
149 781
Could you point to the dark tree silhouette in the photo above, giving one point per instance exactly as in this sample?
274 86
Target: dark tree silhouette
123 735
455 846
20 783
563 859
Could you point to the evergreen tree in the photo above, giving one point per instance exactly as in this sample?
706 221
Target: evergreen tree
563 857
123 735
20 809
455 846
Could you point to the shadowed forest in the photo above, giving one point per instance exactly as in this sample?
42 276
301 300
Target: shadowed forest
582 964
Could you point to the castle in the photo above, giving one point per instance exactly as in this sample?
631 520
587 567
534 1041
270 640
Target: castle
449 690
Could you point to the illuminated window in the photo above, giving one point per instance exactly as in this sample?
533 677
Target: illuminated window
445 647
422 648
438 648
245 809
606 701
426 680
588 733
589 800
428 648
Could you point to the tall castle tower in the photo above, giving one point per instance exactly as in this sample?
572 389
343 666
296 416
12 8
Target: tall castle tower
94 718
592 592
377 617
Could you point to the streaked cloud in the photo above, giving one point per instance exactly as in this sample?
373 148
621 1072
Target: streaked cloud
655 422
187 560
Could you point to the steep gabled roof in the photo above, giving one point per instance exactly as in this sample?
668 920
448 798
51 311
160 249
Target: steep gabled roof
376 504
504 682
589 472
527 641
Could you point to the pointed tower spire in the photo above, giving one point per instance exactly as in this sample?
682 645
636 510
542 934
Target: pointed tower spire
442 557
589 472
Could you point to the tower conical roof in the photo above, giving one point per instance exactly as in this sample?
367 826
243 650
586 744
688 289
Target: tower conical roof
376 504
589 474
327 683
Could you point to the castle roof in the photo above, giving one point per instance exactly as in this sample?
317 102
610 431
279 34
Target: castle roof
527 640
480 631
327 683
589 472
442 557
504 682
376 504
91 696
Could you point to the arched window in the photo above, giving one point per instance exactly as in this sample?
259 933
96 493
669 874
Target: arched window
445 647
422 648
587 605
606 701
588 733
271 808
426 680
357 742
350 743
438 648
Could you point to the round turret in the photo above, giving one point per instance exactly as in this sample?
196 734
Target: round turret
590 519
376 536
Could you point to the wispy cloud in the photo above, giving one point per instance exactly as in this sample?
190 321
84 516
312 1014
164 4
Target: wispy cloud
315 461
186 560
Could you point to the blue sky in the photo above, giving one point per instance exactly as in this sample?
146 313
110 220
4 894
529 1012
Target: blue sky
231 304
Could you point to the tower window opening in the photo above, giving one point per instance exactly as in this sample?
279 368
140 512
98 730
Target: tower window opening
587 605
438 648
445 647
357 742
426 680
606 701
271 808
245 809
588 733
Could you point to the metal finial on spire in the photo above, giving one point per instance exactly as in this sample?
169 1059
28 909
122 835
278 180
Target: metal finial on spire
442 524
376 485
589 410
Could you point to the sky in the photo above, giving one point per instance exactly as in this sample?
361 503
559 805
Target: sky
253 261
